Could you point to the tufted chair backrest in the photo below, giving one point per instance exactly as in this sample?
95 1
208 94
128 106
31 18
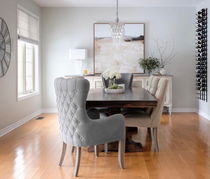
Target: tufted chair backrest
154 85
160 95
71 95
126 78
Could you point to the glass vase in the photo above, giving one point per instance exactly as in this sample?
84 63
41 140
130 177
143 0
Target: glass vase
112 82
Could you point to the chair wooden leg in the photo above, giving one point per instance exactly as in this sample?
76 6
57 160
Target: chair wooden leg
151 133
77 163
72 149
149 130
62 154
96 151
155 131
121 152
106 148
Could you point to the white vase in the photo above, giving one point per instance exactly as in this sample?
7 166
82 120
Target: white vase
162 71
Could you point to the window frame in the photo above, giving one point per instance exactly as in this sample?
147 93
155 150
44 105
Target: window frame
36 69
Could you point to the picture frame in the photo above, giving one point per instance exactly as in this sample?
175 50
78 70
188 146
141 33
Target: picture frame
123 57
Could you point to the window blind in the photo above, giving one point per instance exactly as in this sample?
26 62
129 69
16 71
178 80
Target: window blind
28 26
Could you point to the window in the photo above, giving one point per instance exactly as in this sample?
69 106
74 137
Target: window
28 53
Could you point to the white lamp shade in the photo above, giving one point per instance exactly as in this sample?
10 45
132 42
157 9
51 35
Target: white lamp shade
77 54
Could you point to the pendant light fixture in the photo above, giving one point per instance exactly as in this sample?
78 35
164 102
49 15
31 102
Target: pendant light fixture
117 28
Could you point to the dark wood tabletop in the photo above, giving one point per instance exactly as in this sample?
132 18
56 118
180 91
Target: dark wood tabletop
135 98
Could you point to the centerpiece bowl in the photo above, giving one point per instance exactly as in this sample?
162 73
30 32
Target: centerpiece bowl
115 89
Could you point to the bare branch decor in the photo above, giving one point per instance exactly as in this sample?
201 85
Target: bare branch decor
164 51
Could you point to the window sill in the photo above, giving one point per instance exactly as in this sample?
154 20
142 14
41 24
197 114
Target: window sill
26 96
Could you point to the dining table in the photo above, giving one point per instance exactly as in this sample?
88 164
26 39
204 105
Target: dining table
132 98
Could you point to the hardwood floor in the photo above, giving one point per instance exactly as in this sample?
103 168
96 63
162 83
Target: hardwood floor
33 151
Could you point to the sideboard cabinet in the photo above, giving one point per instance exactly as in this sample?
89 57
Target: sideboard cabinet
138 81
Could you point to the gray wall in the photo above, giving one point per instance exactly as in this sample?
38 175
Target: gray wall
65 28
11 110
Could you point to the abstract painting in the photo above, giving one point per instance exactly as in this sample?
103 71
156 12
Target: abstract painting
123 56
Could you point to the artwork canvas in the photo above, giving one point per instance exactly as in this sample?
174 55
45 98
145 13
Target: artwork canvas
122 57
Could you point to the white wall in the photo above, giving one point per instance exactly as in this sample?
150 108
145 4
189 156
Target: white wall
65 28
204 107
11 110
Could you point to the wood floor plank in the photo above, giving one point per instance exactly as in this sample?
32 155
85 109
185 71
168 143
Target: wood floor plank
33 151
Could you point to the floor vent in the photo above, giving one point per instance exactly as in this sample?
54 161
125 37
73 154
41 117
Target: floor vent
39 118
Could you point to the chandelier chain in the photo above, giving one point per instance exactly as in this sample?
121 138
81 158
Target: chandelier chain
117 28
117 11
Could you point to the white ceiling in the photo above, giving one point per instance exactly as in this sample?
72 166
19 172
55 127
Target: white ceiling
111 3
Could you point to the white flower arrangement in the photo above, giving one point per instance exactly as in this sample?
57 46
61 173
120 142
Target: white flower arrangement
113 87
111 75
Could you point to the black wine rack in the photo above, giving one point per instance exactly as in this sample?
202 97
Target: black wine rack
201 54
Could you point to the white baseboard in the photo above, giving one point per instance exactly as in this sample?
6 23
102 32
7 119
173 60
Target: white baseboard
19 123
185 110
203 114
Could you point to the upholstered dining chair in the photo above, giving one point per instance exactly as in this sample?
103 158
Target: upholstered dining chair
126 78
76 128
153 85
152 88
148 82
150 120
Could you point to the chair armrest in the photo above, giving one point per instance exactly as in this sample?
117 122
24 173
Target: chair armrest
116 120
103 130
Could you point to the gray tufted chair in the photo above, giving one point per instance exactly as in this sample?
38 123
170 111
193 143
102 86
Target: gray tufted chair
77 129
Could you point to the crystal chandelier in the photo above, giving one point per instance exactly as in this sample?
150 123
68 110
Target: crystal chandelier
117 28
